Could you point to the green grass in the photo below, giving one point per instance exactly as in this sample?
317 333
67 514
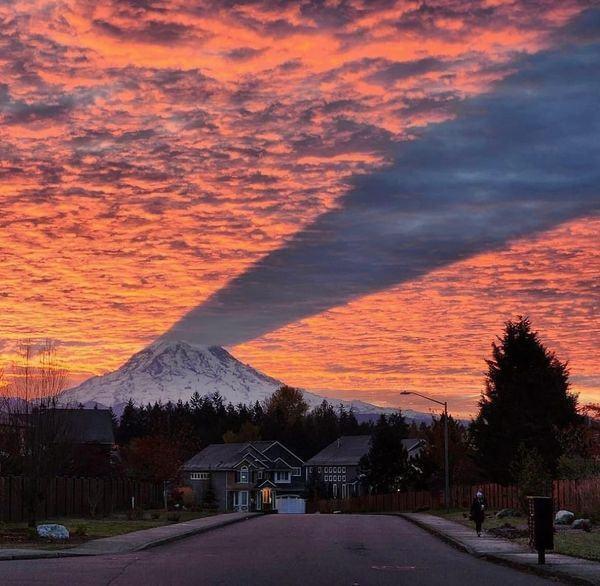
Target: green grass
490 522
578 544
94 528
566 541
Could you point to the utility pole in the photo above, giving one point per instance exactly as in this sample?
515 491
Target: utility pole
446 463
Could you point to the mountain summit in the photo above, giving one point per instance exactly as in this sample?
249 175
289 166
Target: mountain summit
173 370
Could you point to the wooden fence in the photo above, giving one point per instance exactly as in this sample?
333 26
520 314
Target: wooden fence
76 496
576 495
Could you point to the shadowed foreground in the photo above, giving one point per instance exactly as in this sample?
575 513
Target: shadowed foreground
282 549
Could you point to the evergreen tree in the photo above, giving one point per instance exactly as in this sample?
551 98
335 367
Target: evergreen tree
386 464
526 403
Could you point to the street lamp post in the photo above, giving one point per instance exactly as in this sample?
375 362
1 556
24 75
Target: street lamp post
446 465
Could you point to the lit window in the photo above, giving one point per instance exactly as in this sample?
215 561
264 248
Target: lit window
244 474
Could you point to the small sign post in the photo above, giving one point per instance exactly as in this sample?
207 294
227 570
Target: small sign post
541 525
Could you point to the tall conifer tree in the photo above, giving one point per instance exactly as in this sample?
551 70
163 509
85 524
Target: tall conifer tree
526 403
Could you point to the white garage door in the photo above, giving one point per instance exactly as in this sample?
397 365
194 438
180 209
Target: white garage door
290 504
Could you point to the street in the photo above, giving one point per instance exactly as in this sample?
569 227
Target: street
279 550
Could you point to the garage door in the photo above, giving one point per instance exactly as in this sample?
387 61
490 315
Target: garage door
290 504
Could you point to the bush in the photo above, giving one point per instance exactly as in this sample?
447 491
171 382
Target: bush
155 515
80 530
531 475
174 517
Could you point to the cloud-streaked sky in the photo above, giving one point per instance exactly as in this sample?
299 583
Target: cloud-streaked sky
346 193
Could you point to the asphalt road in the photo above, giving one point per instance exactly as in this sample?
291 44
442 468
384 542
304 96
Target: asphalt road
307 550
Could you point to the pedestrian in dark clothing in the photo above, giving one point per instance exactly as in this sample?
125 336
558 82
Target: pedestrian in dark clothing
478 511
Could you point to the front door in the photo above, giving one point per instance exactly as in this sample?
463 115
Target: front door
267 496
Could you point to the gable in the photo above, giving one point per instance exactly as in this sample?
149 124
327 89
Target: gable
278 451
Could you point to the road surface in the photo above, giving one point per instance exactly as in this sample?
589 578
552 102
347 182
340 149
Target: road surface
307 550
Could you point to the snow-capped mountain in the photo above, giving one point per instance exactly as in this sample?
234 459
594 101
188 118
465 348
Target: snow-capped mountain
169 371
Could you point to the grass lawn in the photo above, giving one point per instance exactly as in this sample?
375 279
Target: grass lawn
17 535
566 541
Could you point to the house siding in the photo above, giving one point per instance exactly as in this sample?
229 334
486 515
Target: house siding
225 481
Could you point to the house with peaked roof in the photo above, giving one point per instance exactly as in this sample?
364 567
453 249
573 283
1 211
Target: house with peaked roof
249 476
336 468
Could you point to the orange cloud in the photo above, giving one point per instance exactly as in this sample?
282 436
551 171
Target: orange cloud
150 152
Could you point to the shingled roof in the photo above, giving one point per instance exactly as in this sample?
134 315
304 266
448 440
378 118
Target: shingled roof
349 449
227 456
346 450
84 426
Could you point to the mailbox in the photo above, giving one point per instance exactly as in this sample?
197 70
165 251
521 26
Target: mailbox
541 525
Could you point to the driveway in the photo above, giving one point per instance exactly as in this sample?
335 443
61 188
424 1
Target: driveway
307 550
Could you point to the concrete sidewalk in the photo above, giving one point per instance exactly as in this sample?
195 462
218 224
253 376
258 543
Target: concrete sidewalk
134 541
504 551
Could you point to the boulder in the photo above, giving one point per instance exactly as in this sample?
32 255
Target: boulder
583 524
53 531
564 517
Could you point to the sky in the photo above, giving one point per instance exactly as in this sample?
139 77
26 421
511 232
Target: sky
351 196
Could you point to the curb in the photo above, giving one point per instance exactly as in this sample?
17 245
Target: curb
40 555
542 571
198 531
440 535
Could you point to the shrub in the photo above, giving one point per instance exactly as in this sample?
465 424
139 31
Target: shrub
80 530
155 515
531 474
174 517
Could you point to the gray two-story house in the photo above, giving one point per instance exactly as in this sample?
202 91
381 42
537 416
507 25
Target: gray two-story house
250 476
336 467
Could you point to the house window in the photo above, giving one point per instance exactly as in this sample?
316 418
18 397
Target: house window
260 472
335 491
240 499
282 476
319 469
199 476
344 491
296 472
344 469
244 475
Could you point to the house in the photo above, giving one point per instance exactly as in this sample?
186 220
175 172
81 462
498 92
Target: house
337 466
89 435
250 476
414 447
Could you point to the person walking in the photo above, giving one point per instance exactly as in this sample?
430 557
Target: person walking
478 511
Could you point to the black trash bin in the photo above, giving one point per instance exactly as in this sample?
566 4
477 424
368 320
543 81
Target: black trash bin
541 525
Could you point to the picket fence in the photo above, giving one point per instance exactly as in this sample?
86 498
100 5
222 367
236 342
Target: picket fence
577 495
76 496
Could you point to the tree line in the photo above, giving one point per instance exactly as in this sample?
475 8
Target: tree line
529 428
